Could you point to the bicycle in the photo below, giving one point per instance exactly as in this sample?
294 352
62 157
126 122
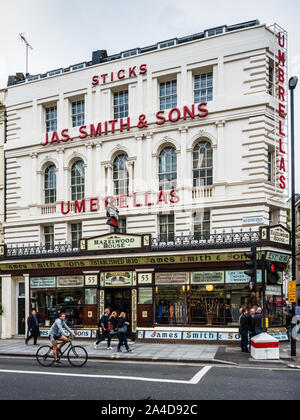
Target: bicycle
77 356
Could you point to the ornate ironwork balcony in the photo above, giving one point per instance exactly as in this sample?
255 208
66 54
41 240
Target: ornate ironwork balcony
159 243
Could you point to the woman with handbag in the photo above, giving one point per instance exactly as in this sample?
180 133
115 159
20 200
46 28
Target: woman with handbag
122 330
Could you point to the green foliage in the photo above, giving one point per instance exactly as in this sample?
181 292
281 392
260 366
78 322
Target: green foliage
1 309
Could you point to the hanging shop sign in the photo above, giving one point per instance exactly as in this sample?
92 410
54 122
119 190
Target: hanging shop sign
280 235
42 282
70 281
239 276
114 241
171 278
118 278
292 291
110 127
208 277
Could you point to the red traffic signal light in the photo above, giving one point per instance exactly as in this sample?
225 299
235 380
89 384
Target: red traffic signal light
272 272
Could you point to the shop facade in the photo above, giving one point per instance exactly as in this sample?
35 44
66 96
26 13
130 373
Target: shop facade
156 130
191 294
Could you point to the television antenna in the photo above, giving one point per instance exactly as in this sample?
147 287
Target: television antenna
23 39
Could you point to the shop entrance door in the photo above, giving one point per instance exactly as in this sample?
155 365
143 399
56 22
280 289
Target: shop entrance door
119 300
21 308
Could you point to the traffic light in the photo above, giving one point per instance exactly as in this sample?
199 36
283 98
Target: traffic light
252 267
272 272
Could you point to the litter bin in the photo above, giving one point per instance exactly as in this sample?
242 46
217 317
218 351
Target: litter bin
264 347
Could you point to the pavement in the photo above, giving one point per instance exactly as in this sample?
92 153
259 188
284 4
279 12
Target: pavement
161 352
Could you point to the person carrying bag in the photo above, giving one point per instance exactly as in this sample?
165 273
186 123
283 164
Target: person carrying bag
122 330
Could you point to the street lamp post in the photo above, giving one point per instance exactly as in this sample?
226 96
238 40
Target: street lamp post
292 86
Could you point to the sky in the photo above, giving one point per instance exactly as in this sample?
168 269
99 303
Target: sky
65 32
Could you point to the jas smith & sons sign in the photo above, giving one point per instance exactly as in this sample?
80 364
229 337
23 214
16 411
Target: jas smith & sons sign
126 261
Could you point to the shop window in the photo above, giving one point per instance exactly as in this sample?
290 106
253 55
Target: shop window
70 301
77 113
120 175
51 118
237 296
274 306
44 302
121 104
76 234
77 180
171 305
202 164
50 185
207 305
166 228
167 171
90 296
49 237
168 95
145 296
203 88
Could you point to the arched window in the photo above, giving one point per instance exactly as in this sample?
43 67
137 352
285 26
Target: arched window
202 164
120 175
77 180
50 184
167 171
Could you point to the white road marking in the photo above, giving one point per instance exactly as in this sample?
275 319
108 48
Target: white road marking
194 381
197 378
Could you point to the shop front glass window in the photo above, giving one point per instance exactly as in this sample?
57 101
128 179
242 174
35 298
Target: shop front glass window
44 302
238 295
171 305
70 301
90 296
274 307
207 307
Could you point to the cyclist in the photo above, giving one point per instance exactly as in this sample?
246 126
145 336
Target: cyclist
57 333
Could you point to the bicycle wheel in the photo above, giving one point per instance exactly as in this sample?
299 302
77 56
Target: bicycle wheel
77 356
44 356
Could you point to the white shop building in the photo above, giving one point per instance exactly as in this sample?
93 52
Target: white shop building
186 136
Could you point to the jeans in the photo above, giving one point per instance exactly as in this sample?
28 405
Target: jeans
105 334
123 340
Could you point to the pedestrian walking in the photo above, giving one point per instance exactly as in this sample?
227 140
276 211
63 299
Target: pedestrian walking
113 323
103 324
288 324
257 320
33 328
251 321
122 331
244 330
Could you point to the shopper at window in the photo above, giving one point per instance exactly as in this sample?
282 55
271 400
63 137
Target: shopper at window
244 330
103 324
33 328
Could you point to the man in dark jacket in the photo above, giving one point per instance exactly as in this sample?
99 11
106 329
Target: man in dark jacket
244 330
33 328
258 329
